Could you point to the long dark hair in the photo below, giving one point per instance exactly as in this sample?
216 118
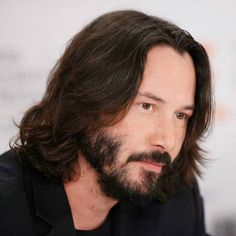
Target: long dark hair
95 81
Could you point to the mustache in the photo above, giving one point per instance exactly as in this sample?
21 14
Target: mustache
155 157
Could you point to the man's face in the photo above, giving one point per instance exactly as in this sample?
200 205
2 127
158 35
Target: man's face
130 156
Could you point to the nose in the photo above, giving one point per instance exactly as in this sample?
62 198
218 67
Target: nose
164 134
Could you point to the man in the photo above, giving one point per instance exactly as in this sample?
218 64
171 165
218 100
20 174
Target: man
113 146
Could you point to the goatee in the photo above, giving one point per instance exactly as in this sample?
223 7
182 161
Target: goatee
102 153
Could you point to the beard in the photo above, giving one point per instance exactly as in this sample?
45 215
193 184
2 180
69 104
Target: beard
102 153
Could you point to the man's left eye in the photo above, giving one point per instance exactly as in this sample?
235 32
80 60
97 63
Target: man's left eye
181 115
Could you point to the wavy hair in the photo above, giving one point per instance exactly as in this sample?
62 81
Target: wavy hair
94 82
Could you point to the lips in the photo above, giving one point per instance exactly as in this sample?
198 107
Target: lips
153 165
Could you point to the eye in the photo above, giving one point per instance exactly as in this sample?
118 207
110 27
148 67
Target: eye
181 116
147 106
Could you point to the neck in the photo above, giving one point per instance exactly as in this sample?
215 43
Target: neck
89 206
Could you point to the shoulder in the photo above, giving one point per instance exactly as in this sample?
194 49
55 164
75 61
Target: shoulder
181 214
13 201
184 211
10 171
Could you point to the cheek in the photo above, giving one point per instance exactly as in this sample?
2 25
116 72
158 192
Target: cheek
132 134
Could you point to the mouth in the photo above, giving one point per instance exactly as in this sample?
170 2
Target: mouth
154 166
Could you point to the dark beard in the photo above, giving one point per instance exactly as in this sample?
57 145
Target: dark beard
101 152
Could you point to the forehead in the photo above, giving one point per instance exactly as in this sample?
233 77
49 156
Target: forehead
169 75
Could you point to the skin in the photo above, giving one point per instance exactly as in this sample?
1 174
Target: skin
157 120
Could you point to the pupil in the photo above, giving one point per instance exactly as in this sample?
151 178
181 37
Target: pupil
180 115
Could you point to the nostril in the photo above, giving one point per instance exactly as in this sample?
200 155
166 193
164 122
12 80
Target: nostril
159 148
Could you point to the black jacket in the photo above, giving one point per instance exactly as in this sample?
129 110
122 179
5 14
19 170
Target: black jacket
30 205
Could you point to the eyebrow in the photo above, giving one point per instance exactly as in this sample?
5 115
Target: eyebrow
158 99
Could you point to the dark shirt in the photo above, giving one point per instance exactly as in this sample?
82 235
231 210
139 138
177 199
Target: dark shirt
104 229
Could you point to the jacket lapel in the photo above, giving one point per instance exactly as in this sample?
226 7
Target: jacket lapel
51 206
63 227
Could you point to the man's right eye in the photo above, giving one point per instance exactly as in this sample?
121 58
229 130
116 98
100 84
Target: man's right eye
147 106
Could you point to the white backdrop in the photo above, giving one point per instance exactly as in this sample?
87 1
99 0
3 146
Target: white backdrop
33 34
